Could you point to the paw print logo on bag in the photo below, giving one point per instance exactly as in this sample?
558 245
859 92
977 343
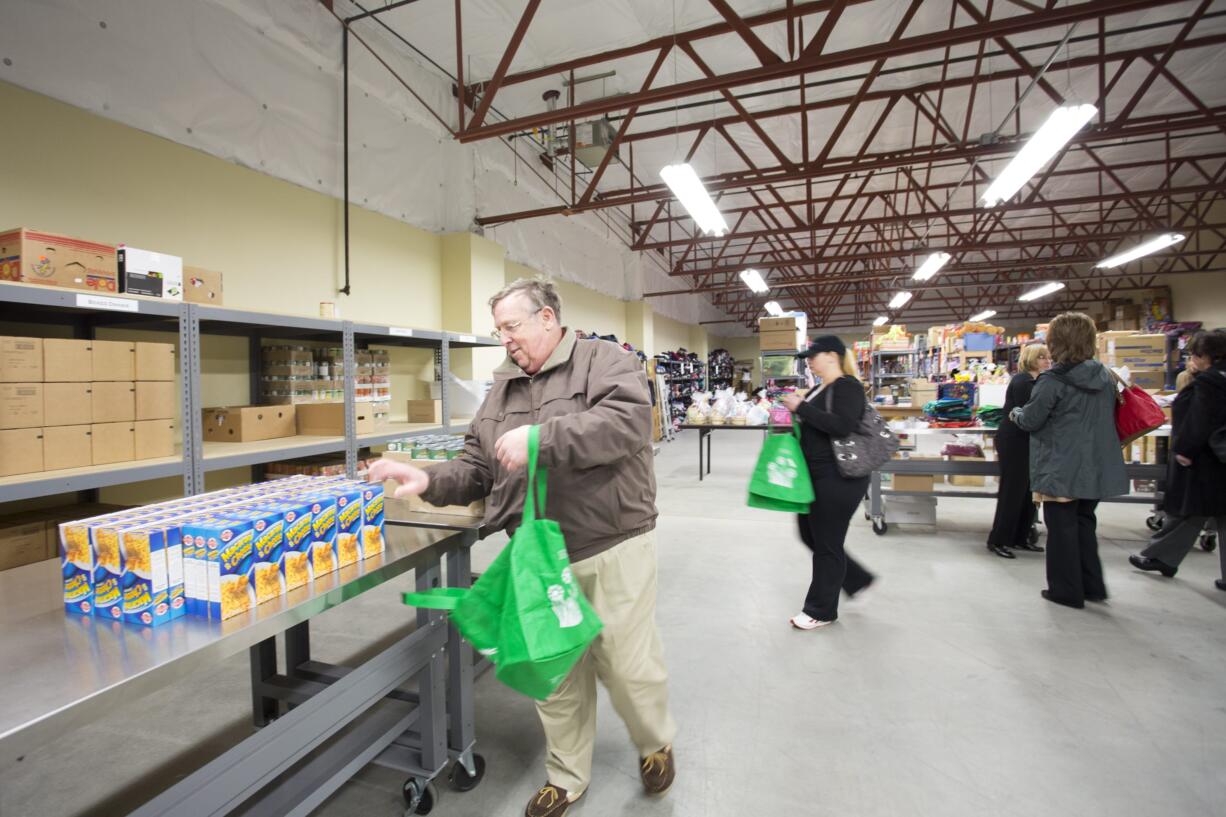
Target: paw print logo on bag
781 471
565 603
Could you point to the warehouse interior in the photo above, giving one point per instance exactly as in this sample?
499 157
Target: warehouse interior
345 185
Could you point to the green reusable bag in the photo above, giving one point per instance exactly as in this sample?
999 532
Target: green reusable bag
526 612
780 480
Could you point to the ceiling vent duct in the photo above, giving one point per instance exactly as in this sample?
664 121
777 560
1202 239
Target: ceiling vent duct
592 141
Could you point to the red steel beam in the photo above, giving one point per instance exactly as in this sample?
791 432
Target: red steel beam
1008 26
491 87
759 48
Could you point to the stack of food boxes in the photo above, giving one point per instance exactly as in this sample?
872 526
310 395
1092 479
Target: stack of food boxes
218 555
1144 355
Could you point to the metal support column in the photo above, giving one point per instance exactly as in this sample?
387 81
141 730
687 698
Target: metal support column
433 721
461 729
351 428
189 399
263 667
444 354
297 648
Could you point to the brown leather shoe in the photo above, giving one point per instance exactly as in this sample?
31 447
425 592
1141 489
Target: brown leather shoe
658 771
550 801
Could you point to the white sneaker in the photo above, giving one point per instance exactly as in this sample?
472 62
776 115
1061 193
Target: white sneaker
803 621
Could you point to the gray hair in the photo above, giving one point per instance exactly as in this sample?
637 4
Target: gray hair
540 292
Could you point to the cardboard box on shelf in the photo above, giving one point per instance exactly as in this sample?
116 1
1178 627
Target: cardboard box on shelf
36 257
156 400
966 481
21 405
113 401
113 360
22 543
202 286
67 404
67 361
248 423
425 411
21 451
288 369
67 447
785 323
328 419
778 341
113 442
286 355
21 360
397 507
154 438
1129 324
144 272
1148 378
154 361
915 482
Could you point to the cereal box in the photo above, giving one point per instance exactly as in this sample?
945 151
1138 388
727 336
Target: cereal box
77 563
108 567
268 563
348 523
171 525
323 533
372 520
229 546
195 566
146 580
297 535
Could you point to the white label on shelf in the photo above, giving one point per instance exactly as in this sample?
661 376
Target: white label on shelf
400 331
113 304
467 338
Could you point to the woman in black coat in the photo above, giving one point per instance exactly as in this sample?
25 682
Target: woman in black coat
1196 478
1015 511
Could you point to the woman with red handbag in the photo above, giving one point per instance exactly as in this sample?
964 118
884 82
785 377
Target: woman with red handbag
1196 479
1075 457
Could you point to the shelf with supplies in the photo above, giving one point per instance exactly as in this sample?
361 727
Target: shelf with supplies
86 312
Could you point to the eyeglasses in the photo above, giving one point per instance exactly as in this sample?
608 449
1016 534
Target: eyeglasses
512 329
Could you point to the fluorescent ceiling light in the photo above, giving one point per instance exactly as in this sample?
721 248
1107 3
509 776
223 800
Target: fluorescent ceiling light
689 190
773 308
880 320
983 316
900 300
1152 246
753 280
931 266
1040 292
1046 142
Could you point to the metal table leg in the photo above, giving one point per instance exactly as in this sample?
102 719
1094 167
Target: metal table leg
430 690
708 451
461 735
263 668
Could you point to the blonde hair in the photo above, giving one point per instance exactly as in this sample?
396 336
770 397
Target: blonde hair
1029 359
849 364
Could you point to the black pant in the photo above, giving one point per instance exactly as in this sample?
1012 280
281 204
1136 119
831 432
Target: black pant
1015 512
823 529
1074 572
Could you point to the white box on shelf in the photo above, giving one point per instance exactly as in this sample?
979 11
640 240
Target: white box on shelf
143 272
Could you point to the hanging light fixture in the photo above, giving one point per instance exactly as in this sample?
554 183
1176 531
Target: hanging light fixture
982 316
1041 292
1039 149
880 320
900 300
931 266
753 280
1148 248
690 191
773 308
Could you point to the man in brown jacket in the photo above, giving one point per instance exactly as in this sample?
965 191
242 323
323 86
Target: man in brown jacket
590 399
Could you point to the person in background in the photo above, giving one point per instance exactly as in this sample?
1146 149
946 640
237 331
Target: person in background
1015 511
590 401
1075 457
830 410
1196 479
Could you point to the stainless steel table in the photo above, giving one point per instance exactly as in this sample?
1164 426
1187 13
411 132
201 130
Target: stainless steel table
62 670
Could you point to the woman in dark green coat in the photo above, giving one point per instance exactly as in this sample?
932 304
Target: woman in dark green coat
1075 457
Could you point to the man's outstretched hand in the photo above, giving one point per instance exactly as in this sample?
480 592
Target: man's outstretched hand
413 481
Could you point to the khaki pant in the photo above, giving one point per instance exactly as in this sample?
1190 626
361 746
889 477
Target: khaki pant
627 657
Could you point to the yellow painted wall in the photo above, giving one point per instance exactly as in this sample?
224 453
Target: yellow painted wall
670 335
1199 297
582 308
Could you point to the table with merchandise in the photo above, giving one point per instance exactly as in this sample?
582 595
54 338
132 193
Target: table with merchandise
877 501
409 707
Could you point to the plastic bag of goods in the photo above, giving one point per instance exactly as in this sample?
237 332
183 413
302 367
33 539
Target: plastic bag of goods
740 411
758 415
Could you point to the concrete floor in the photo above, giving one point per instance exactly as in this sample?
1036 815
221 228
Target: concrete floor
948 689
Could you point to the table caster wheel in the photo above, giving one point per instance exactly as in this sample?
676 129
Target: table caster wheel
880 527
420 797
1154 522
1208 542
460 780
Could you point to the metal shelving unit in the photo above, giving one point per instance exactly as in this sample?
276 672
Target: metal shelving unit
879 378
84 313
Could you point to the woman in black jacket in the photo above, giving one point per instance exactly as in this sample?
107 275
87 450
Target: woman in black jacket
831 410
1015 512
1196 478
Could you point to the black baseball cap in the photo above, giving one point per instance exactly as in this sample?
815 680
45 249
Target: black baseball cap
824 343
